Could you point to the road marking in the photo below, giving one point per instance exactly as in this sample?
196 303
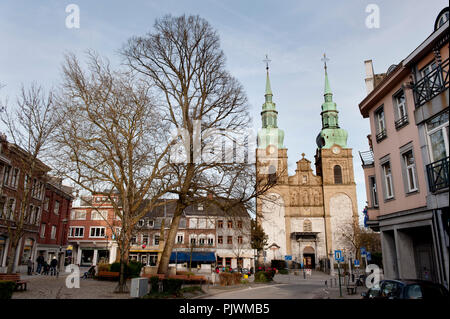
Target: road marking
267 286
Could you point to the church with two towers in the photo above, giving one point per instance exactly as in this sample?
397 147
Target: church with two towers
307 215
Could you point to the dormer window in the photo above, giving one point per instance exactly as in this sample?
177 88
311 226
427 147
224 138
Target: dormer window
441 19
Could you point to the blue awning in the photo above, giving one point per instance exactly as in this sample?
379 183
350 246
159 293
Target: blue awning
182 257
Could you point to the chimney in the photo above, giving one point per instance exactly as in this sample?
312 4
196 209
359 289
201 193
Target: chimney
369 76
210 196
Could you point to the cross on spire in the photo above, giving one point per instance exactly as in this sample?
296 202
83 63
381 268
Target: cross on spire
324 60
267 60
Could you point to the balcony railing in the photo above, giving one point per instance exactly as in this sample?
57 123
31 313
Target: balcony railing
432 84
366 158
401 122
381 136
438 175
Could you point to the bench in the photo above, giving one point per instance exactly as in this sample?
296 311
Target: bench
351 289
20 284
201 279
160 276
108 274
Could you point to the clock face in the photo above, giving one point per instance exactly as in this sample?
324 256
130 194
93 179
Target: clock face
336 150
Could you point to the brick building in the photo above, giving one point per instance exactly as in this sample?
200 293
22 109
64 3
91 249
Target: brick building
90 232
13 181
54 225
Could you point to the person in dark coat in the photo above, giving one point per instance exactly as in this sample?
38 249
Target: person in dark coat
40 263
45 267
53 266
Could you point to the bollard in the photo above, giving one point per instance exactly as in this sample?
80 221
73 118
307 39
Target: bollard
326 283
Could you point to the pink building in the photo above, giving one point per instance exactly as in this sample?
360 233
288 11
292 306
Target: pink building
406 168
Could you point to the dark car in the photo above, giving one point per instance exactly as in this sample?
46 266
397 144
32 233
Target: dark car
406 289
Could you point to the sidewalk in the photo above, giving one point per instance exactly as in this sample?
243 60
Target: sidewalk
333 293
52 287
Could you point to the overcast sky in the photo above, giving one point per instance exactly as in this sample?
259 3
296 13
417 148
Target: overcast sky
294 34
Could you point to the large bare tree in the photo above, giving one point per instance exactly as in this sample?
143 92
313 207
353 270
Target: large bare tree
113 141
30 126
183 60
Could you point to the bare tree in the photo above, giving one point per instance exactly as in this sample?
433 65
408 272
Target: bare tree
113 140
356 237
182 59
30 126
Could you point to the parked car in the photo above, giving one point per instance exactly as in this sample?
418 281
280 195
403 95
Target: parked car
406 289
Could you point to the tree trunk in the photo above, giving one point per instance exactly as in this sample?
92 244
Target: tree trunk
122 284
12 252
165 257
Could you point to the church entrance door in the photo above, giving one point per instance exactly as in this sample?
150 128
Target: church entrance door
309 257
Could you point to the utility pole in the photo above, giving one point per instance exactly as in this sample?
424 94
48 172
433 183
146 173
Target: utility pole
350 266
339 275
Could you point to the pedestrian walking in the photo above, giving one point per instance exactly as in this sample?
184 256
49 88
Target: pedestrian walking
53 266
30 266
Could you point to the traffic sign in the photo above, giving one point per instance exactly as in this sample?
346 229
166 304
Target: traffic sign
368 256
363 251
288 257
338 256
356 263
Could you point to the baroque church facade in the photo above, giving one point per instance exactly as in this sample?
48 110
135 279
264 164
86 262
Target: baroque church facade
307 215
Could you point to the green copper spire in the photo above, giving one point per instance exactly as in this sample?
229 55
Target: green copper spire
268 88
269 134
331 133
327 83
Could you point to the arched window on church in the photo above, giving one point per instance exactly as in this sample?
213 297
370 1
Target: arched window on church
272 174
307 226
337 175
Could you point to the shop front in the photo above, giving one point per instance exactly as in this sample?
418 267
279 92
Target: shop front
88 254
145 256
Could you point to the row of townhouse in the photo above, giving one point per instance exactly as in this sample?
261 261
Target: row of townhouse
406 169
46 222
206 235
